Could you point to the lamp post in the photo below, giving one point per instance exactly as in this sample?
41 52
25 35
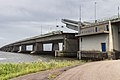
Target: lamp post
79 23
118 12
41 29
95 12
79 32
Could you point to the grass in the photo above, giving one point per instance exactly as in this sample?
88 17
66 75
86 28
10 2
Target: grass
11 70
54 75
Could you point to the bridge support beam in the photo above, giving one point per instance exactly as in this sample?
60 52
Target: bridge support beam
37 47
55 46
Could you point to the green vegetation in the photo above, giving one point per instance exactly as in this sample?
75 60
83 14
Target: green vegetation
11 70
54 75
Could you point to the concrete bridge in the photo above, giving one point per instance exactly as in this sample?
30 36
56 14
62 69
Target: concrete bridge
68 40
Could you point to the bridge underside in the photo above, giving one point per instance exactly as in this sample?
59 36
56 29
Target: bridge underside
69 45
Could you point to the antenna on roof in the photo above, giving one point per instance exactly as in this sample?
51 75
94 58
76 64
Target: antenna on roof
80 14
95 12
41 29
118 11
79 22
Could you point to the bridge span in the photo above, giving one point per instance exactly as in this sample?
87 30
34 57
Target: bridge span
68 40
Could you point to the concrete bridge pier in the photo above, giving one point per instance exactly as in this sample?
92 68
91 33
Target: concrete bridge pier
23 49
70 45
15 49
37 47
2 49
6 49
70 48
55 46
9 49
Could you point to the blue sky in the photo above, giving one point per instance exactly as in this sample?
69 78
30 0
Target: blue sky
21 19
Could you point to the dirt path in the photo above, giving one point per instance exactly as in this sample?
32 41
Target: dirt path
43 75
104 70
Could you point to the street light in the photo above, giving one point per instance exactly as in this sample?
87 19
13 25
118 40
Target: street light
118 11
95 12
41 29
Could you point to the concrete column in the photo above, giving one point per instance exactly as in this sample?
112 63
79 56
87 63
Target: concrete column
55 46
115 38
9 49
37 47
6 49
3 49
15 49
23 47
70 45
110 37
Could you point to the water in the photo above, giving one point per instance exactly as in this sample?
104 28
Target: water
7 57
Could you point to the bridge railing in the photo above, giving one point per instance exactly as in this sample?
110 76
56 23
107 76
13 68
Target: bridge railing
105 19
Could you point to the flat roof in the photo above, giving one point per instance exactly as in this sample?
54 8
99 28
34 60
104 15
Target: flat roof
103 32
